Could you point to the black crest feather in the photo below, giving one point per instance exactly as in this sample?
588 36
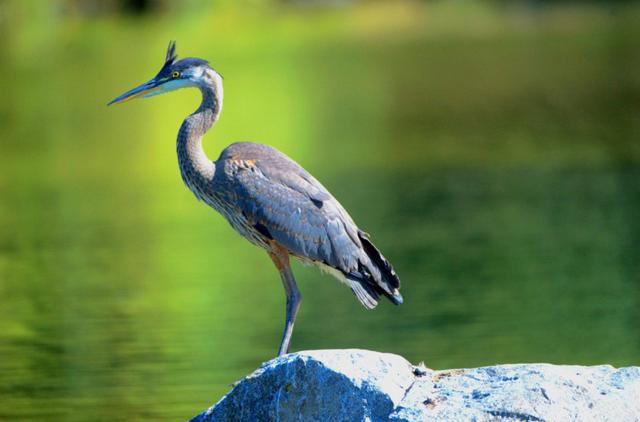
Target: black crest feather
171 53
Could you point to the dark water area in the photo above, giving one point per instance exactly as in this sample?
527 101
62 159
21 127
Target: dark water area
497 166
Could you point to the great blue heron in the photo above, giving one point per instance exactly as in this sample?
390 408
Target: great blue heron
269 199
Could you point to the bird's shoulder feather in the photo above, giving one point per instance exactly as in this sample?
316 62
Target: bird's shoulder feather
275 166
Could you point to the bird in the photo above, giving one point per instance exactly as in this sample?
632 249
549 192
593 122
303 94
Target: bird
268 198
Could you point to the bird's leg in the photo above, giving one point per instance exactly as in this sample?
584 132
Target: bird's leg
281 258
293 304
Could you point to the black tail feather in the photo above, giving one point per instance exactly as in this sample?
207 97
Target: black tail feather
388 273
390 282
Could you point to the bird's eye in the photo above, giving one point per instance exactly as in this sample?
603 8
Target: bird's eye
175 74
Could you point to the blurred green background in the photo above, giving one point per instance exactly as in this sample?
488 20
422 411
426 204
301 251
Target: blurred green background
491 149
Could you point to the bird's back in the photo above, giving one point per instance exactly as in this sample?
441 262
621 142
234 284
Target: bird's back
269 198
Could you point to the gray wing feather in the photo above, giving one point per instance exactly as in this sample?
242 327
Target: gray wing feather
288 173
274 191
291 214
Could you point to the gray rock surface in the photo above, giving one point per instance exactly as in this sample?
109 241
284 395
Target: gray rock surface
360 385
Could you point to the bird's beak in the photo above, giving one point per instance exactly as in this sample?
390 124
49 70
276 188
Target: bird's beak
147 89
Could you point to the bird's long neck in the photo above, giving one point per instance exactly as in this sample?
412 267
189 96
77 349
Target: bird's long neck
196 168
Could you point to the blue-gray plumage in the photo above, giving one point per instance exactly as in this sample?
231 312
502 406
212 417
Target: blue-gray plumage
269 199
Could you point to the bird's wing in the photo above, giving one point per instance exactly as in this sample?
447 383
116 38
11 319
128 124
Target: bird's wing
287 204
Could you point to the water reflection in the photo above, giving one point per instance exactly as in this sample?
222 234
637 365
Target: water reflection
501 182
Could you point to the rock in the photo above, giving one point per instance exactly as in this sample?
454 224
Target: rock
360 385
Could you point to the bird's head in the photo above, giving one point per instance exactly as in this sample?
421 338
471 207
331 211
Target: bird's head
175 74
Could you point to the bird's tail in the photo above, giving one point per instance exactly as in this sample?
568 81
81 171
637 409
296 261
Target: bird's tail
368 287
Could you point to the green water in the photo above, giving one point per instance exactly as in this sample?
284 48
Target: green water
495 161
